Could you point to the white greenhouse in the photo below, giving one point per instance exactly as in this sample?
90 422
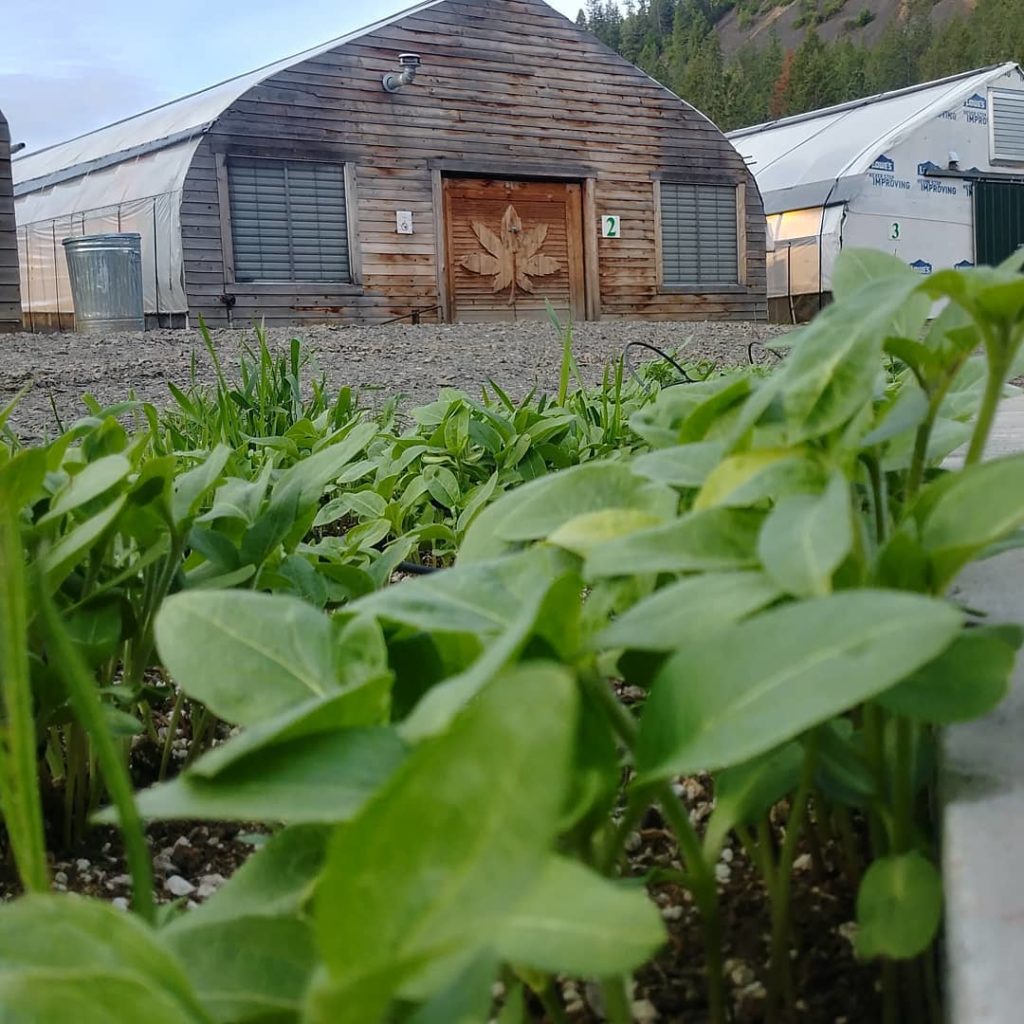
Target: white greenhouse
933 173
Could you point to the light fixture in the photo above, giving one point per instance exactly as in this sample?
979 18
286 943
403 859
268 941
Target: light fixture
407 63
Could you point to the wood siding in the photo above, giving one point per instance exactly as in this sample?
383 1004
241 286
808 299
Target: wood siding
10 298
507 89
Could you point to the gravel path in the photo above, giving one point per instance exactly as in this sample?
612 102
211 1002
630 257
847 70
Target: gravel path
413 360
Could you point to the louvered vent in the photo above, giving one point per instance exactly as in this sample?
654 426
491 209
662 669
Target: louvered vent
1007 112
288 220
698 234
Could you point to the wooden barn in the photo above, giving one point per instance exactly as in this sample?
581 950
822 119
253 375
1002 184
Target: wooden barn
465 160
10 300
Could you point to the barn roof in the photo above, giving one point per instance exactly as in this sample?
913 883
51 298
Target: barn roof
811 159
171 126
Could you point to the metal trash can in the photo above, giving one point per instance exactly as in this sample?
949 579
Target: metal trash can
106 281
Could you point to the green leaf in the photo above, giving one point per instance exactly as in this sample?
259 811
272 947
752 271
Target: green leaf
466 999
442 485
715 539
573 921
190 488
746 477
477 598
968 679
65 958
755 685
593 487
549 612
21 477
805 538
247 968
843 772
432 867
276 881
305 481
96 629
857 268
831 370
95 479
246 656
323 777
965 512
687 610
684 465
59 560
89 996
745 792
899 906
585 532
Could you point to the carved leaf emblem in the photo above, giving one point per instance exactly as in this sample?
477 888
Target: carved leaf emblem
512 256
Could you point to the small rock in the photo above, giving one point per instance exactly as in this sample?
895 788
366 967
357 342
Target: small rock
121 880
178 886
60 877
644 1011
82 864
120 902
209 884
723 873
633 842
672 913
727 854
741 973
498 990
802 863
848 930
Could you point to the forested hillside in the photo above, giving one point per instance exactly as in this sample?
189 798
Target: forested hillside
746 61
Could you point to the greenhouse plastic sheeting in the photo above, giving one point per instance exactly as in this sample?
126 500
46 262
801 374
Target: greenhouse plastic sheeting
44 272
802 249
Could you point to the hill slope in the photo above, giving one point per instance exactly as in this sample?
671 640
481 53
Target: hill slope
746 61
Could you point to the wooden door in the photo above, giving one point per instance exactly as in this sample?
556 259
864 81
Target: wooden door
513 246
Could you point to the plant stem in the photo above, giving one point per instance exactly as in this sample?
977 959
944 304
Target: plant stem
19 770
990 402
902 785
172 731
614 992
781 973
917 462
552 1004
704 889
609 858
89 710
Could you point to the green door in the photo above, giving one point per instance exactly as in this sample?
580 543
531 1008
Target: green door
998 220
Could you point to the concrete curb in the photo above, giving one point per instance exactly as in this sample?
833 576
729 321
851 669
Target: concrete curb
981 792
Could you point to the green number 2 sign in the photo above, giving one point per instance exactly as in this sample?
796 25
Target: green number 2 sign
610 227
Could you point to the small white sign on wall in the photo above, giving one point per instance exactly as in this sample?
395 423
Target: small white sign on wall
611 227
403 222
894 231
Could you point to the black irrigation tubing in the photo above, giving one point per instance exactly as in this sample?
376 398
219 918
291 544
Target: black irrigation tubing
416 569
684 379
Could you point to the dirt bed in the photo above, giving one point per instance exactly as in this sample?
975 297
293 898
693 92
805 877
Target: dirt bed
413 360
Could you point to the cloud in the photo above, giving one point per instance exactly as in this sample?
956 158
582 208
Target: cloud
43 108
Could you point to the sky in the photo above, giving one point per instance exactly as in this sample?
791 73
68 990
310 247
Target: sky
68 66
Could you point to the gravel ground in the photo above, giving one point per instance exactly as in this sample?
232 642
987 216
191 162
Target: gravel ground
413 360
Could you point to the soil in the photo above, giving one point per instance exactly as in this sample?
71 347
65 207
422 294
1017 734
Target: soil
380 361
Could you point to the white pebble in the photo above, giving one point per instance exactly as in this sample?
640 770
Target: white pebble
644 1011
82 864
671 913
60 878
633 842
120 902
723 873
178 886
727 854
802 863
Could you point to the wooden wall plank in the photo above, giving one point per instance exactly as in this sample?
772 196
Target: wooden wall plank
505 85
10 286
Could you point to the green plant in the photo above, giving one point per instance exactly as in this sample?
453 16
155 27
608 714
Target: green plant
769 560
